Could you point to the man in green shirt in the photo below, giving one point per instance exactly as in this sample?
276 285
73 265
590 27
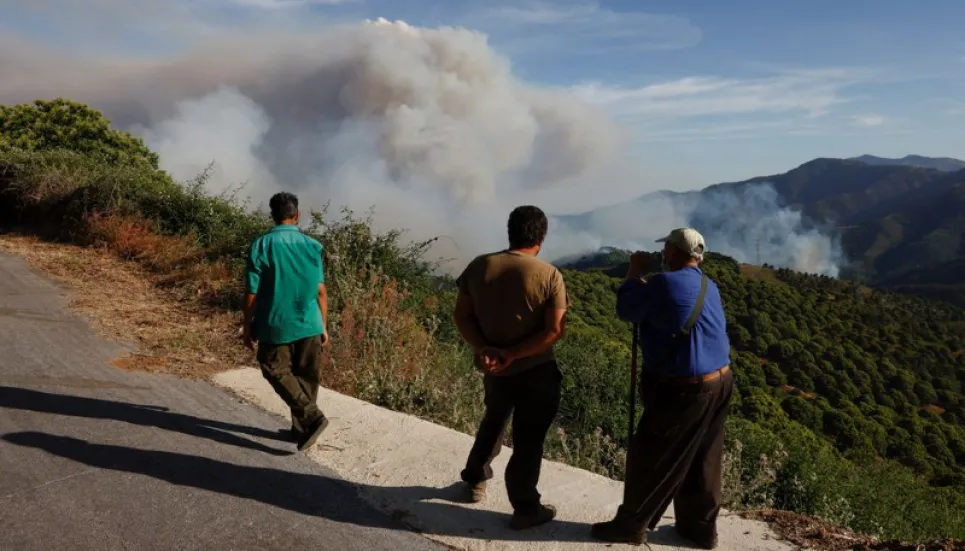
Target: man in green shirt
285 311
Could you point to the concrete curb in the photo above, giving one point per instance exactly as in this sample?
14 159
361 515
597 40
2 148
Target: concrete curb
409 468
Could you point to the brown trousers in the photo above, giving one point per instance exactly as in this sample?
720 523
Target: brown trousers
293 371
532 397
675 455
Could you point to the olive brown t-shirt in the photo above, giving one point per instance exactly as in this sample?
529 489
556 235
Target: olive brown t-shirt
511 293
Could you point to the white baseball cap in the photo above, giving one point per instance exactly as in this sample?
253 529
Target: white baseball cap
688 240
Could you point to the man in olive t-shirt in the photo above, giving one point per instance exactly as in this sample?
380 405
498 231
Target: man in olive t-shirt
285 310
511 309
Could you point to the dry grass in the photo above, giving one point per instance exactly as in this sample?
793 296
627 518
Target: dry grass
123 302
757 273
798 392
811 533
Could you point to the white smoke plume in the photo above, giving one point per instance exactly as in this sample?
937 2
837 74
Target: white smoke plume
428 126
748 223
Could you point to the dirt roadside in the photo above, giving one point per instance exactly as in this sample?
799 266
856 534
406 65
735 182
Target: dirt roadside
122 301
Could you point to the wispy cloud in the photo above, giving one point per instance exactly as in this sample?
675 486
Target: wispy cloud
725 131
810 92
587 27
153 26
284 4
868 121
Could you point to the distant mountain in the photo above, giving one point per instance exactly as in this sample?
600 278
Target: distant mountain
605 256
946 164
838 191
915 245
901 226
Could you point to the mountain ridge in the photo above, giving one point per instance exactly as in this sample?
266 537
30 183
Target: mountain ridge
947 164
891 220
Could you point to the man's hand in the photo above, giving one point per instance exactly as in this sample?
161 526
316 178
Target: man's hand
248 338
325 339
641 262
495 359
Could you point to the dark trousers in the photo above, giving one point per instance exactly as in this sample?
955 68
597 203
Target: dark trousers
675 455
532 397
293 370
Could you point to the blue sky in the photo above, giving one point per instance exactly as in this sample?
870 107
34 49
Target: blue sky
711 90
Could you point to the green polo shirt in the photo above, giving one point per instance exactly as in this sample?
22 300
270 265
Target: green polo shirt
283 270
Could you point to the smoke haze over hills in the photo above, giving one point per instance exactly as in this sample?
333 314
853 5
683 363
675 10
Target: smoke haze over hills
428 126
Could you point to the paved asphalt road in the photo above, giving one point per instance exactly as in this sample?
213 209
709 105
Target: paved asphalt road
92 457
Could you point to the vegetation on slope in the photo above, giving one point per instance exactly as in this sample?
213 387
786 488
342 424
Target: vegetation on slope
832 380
876 374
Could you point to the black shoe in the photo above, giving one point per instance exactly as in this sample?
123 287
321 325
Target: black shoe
311 435
616 531
703 540
542 515
290 435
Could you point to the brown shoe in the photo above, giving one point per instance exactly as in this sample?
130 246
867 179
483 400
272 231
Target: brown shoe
544 514
476 492
616 531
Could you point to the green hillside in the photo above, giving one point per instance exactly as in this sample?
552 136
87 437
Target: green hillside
849 402
877 377
867 370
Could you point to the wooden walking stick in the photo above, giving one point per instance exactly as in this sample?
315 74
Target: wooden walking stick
633 382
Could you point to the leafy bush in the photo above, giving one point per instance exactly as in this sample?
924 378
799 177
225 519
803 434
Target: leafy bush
60 124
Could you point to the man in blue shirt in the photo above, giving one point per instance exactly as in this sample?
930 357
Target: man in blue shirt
686 383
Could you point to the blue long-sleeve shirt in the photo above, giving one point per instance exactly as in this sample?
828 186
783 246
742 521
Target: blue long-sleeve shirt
661 307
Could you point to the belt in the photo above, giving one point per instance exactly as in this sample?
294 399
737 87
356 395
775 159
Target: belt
698 379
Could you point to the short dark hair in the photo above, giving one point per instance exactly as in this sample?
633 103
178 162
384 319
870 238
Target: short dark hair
284 206
527 227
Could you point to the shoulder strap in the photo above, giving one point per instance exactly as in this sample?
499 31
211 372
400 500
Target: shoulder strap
692 320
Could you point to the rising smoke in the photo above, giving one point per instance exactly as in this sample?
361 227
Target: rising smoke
428 126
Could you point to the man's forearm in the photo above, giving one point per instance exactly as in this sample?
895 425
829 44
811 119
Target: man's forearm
323 307
249 310
537 344
470 333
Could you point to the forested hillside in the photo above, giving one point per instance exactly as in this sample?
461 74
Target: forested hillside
874 373
832 378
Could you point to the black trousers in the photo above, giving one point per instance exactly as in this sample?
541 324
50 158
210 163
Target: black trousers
675 455
532 397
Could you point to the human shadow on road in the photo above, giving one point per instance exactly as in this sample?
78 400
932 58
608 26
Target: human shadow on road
138 414
422 509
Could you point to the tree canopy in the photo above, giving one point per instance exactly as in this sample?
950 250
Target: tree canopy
61 124
869 371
